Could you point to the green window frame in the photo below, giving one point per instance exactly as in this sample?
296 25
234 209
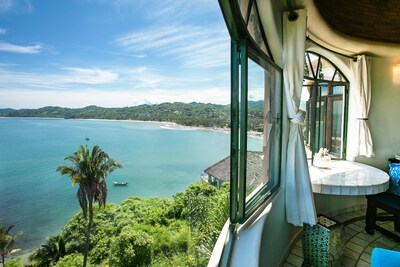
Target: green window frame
240 209
248 42
326 107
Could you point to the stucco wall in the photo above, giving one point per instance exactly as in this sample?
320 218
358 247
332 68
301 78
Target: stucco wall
384 116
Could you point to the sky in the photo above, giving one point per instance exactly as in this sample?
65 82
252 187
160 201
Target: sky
112 53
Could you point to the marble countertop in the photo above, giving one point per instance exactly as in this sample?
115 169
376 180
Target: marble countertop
348 178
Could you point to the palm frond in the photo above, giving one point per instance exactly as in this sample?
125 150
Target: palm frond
89 169
7 240
75 178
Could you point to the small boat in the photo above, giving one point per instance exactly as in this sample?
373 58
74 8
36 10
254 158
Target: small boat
120 183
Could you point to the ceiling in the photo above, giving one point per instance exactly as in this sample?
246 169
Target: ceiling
375 20
354 27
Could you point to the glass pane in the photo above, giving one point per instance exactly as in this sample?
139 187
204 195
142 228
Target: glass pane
243 7
326 70
308 128
307 70
338 77
305 106
338 89
254 27
336 136
264 48
305 96
313 63
272 140
319 126
263 141
257 107
323 89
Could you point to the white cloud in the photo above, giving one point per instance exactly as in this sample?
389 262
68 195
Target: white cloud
35 99
143 78
68 77
256 94
12 48
128 55
79 78
3 31
151 38
161 11
181 10
89 76
192 46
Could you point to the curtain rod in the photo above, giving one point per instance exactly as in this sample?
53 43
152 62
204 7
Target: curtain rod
330 50
292 14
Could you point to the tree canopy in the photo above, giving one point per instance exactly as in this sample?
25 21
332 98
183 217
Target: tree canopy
177 231
188 114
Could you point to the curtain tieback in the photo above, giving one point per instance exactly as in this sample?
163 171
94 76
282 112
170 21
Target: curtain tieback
362 119
298 118
270 119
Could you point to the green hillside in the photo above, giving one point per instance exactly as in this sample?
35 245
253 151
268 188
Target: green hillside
188 114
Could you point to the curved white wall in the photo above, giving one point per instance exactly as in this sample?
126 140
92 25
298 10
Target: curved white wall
384 114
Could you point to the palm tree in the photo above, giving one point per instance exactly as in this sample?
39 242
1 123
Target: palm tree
7 242
89 170
49 253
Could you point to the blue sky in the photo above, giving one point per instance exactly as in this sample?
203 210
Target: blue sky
112 53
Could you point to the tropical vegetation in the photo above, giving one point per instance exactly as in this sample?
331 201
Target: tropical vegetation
49 253
89 169
177 231
7 241
189 114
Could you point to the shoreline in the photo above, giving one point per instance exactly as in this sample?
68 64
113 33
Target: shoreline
24 256
169 125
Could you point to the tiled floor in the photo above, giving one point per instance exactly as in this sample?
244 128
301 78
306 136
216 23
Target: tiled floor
358 244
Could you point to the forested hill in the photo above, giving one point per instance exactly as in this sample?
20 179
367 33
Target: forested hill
191 114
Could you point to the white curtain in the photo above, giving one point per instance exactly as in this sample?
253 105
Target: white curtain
300 206
361 137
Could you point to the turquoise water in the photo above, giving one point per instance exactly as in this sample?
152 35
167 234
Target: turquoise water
156 162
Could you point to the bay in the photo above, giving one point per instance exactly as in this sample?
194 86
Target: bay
157 161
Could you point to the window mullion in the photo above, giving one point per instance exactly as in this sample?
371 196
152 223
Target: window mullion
234 160
243 130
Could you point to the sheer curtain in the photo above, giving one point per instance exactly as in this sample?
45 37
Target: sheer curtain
300 206
361 91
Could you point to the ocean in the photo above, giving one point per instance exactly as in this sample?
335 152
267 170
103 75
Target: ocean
157 161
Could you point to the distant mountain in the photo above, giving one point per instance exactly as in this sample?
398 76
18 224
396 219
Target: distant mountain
256 104
6 111
191 114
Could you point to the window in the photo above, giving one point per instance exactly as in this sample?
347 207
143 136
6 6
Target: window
256 80
324 98
256 130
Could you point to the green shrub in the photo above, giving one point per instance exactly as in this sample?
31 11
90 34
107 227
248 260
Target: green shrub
131 248
176 260
16 262
71 260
